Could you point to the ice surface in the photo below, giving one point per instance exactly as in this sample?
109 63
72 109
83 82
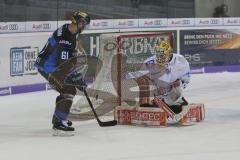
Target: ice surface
25 129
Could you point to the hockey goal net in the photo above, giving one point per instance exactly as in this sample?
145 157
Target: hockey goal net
120 54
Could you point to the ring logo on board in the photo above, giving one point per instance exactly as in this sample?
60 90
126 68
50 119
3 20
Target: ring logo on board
104 23
158 22
46 26
184 22
100 24
214 21
13 27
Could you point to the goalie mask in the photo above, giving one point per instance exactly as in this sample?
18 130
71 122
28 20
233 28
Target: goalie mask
163 52
81 19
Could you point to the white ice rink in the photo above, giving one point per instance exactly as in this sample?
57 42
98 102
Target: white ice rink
25 129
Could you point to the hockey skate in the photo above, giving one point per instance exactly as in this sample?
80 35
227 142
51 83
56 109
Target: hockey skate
62 128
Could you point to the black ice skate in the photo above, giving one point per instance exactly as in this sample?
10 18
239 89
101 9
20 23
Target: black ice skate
62 128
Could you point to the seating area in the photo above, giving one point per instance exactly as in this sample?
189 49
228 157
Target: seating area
35 10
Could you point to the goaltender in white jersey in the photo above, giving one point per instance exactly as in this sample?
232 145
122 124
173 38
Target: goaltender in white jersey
168 72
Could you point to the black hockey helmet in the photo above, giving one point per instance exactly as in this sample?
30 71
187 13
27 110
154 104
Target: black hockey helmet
79 16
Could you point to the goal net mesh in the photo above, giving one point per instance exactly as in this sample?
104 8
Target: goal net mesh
120 54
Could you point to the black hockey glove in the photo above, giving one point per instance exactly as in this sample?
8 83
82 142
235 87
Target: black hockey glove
75 79
82 85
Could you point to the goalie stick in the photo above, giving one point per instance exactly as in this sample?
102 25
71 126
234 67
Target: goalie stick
102 124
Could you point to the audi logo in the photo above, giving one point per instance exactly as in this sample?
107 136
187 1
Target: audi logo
186 21
46 26
130 23
214 21
157 22
13 27
104 23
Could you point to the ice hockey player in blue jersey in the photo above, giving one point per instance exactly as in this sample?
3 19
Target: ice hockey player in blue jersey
60 47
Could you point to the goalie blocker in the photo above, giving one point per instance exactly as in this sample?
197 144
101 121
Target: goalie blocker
157 116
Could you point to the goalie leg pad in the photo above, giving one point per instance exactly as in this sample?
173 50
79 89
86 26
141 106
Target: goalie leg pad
123 115
196 113
189 113
152 116
146 116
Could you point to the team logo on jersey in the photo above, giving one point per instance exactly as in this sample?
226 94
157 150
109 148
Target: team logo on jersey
65 42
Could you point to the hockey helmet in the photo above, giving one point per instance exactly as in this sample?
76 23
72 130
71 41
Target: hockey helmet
79 16
164 52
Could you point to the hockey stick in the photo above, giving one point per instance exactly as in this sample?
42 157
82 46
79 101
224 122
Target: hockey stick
102 124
